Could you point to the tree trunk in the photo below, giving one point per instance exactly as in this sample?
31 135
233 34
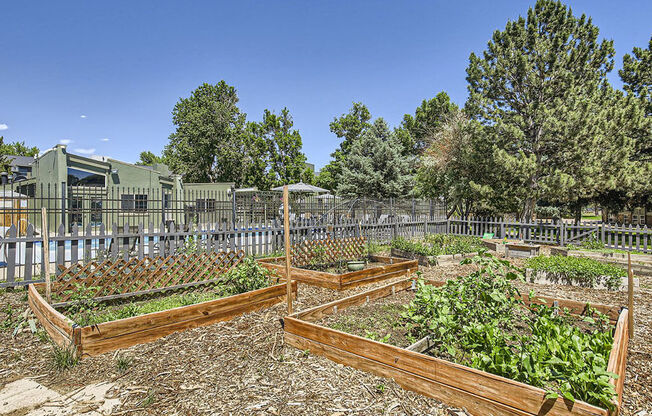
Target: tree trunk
578 214
528 209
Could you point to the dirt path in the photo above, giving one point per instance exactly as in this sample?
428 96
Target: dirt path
243 367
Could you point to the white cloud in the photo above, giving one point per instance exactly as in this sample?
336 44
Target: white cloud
3 127
106 139
65 141
85 151
83 116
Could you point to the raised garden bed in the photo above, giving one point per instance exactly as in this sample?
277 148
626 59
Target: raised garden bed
108 279
377 268
520 250
498 245
437 249
324 263
641 263
458 385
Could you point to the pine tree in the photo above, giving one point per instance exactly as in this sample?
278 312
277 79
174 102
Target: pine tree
375 166
539 90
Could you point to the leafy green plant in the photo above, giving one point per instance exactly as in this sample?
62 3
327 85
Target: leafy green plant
372 335
592 243
10 320
578 270
248 275
480 320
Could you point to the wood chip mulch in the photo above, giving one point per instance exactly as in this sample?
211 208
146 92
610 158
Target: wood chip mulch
242 367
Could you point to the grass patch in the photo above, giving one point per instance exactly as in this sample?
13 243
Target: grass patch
63 358
578 270
123 362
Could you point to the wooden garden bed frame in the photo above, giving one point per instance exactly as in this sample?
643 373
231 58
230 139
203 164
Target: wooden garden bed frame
441 260
479 392
109 336
394 267
498 244
522 250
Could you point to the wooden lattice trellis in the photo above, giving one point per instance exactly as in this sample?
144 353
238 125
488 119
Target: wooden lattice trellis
327 251
119 277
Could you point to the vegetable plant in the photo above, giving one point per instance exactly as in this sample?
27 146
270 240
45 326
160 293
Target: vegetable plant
578 270
480 321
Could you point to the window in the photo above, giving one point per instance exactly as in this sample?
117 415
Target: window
167 199
96 211
77 177
206 205
75 212
24 170
133 203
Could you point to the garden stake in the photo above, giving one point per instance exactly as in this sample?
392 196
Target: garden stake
286 227
630 295
46 254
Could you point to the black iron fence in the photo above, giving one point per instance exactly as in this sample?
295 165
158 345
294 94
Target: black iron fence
87 206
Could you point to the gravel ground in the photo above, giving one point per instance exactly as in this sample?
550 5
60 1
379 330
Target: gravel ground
242 367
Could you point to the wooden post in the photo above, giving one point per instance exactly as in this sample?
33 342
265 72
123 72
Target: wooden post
630 295
286 231
46 254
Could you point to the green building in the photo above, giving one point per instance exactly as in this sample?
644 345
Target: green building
89 192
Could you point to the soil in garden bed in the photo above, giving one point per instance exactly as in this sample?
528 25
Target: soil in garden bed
379 320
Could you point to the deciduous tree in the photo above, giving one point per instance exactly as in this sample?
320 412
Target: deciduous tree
208 143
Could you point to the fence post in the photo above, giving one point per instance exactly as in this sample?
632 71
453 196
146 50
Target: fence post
562 233
502 228
63 203
233 207
11 254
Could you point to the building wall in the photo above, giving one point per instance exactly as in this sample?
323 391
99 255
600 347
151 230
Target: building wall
157 195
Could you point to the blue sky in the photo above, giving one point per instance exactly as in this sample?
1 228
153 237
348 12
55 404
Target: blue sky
104 76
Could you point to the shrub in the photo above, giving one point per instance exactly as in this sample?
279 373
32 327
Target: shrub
578 270
247 276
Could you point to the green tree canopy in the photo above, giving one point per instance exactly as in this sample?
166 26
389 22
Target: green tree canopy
148 158
637 74
285 160
454 165
375 165
349 127
208 144
16 148
417 131
539 89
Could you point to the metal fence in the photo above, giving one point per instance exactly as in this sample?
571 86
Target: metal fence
86 206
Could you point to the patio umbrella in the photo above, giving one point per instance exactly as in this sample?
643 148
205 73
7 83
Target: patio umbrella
301 187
